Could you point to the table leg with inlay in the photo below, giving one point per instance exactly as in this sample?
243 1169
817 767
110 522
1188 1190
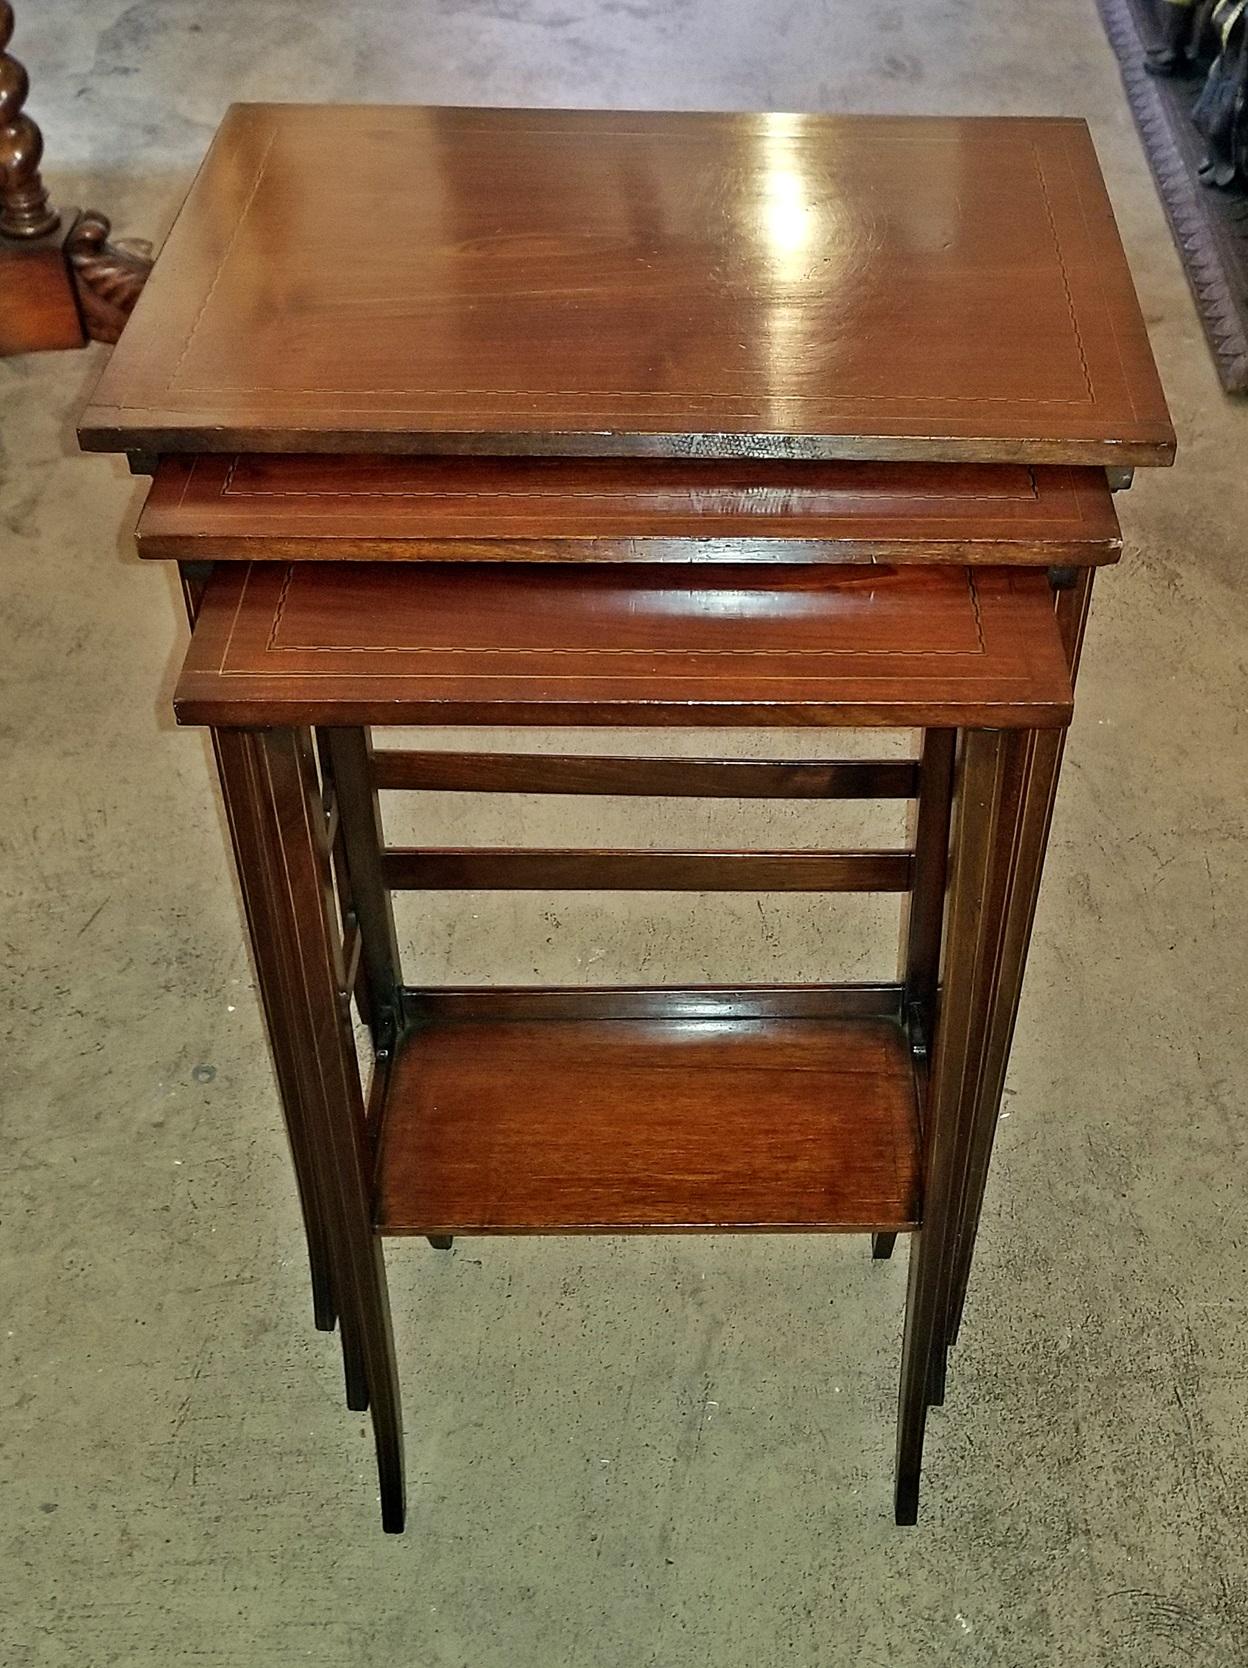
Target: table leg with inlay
235 778
981 914
1030 843
285 874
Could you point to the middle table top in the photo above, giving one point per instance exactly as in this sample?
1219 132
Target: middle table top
328 643
316 507
608 283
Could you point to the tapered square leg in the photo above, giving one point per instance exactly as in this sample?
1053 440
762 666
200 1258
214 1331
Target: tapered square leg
289 886
1028 841
241 795
988 791
239 787
347 753
1023 840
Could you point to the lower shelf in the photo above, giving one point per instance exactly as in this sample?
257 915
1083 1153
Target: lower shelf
499 1122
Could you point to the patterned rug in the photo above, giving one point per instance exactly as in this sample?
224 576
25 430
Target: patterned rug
1210 226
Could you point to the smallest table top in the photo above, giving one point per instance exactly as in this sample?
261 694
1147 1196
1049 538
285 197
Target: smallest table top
618 283
329 643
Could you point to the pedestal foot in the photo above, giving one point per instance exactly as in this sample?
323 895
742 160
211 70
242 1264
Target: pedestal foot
107 276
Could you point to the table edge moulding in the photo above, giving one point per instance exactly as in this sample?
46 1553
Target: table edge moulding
493 644
585 283
261 507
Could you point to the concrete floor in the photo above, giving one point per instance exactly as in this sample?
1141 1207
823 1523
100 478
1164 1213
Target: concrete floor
621 1453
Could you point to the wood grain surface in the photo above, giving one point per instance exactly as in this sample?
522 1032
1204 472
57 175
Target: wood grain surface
663 777
533 869
540 281
313 507
576 1126
338 644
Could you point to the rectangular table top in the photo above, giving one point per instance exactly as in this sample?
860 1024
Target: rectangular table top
598 282
331 643
370 507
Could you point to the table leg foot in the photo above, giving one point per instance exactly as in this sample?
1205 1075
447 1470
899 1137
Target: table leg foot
906 1500
919 1348
882 1246
324 1310
989 793
353 1372
393 1509
286 875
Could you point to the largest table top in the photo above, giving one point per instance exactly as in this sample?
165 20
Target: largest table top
350 278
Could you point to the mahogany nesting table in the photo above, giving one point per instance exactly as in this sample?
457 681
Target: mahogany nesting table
612 419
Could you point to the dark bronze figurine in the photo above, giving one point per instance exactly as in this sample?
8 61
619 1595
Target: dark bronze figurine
1221 111
1210 38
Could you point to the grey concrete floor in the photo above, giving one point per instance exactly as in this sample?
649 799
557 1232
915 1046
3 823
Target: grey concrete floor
621 1453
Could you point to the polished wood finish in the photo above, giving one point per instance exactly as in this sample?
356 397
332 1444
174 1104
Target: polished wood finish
322 508
925 907
988 786
374 644
38 304
291 912
531 870
1071 604
73 283
108 274
1028 837
721 1003
60 277
350 754
1020 835
668 777
617 1126
240 771
352 939
594 1143
883 363
593 282
240 798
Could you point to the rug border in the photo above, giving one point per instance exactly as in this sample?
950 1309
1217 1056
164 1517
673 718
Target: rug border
1212 245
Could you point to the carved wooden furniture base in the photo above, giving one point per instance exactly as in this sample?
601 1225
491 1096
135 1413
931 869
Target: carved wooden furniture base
1210 227
68 287
108 277
61 280
38 297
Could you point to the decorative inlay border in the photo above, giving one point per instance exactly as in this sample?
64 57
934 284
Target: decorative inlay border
583 652
211 290
578 496
678 398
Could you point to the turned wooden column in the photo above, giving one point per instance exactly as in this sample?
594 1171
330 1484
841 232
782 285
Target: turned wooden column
24 207
61 280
